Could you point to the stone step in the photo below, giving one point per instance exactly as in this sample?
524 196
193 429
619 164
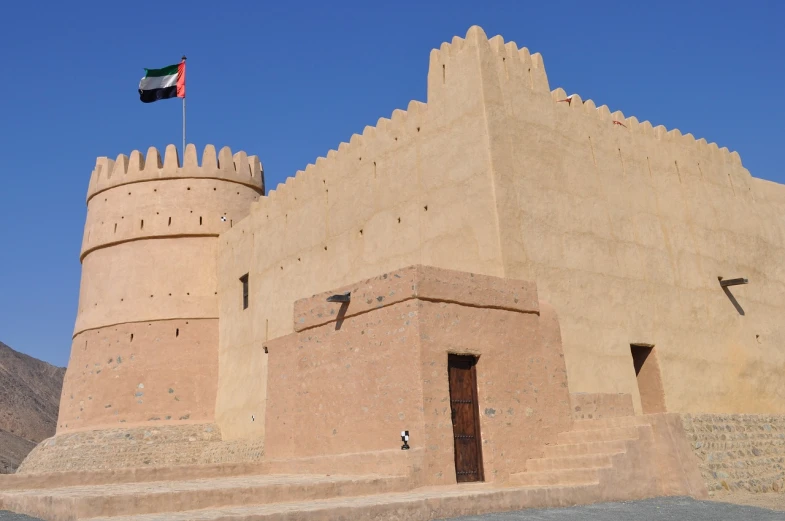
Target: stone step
610 434
132 475
592 461
421 505
608 423
581 449
564 477
70 503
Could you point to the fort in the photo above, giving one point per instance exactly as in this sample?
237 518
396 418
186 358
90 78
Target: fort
558 301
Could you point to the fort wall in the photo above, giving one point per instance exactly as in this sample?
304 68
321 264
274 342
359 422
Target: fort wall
414 189
145 346
625 227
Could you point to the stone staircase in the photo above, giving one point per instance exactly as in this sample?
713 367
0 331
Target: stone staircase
609 459
283 497
585 454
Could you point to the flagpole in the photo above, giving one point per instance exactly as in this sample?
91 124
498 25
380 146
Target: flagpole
184 118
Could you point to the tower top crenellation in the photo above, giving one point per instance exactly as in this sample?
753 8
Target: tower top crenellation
238 168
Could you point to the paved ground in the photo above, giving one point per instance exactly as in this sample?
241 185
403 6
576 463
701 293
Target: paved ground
660 509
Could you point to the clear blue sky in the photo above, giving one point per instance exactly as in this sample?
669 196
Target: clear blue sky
288 83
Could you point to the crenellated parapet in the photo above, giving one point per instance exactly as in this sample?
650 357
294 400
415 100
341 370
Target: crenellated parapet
515 64
363 152
644 128
237 168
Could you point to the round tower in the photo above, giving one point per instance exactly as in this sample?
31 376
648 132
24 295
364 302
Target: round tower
145 345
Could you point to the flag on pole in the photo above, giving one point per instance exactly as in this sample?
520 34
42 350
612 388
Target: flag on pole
165 83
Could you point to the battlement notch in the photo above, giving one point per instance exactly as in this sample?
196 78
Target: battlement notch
237 168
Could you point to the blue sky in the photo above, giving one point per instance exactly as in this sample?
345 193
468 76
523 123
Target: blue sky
290 82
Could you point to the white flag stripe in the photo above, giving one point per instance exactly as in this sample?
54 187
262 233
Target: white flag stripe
158 82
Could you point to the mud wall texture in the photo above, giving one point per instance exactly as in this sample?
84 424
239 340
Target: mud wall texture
626 228
352 378
739 451
594 406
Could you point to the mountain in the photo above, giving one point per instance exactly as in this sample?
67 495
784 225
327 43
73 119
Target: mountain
29 403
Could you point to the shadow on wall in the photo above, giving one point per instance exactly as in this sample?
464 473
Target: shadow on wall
732 282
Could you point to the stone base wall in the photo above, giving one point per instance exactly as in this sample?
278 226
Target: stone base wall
739 451
594 406
139 447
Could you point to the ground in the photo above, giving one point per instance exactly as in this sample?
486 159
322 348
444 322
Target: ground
658 509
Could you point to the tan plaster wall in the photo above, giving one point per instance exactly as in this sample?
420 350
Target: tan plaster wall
145 347
352 384
148 280
594 406
158 372
625 228
171 207
414 189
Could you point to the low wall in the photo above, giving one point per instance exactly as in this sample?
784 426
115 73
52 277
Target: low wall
593 406
139 447
739 451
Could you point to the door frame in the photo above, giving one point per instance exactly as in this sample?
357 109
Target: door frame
473 360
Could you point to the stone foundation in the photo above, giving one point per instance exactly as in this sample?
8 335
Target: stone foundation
139 447
595 406
739 451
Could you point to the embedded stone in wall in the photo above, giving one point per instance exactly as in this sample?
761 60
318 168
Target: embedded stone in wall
739 451
593 406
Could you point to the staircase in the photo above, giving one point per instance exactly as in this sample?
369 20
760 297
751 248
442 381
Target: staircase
585 454
283 498
611 459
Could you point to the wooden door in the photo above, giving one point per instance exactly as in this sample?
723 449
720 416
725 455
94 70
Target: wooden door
465 418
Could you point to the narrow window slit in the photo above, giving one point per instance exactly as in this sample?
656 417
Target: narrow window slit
244 281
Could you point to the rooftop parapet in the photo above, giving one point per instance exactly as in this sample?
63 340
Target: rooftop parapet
236 168
631 124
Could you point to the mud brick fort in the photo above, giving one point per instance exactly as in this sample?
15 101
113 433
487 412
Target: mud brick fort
560 304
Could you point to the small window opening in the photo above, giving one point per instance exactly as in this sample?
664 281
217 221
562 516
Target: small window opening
132 337
200 220
244 281
177 332
141 227
170 221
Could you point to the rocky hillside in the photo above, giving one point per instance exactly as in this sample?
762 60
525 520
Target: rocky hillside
29 402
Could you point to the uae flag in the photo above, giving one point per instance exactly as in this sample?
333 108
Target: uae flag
165 83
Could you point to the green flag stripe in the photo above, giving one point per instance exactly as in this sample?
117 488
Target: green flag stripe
166 71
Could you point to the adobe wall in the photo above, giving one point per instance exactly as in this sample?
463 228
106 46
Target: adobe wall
353 377
145 345
595 406
414 189
626 229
